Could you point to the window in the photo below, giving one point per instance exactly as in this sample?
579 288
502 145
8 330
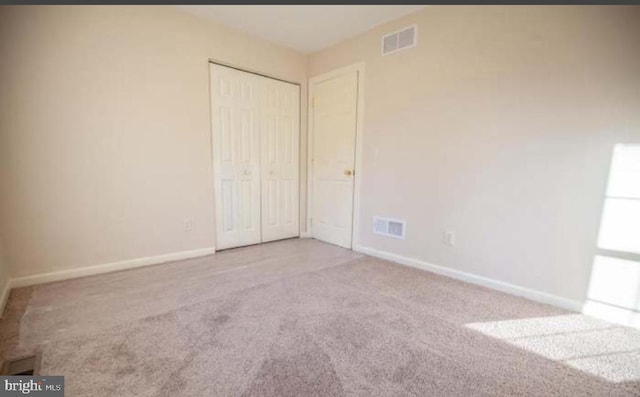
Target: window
620 227
614 289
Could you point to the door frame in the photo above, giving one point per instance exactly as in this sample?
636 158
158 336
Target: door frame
211 61
355 214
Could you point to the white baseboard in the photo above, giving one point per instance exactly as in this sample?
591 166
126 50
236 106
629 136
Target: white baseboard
4 296
528 293
305 235
106 268
534 295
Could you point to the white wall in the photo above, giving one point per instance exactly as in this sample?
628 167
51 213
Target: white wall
105 130
498 126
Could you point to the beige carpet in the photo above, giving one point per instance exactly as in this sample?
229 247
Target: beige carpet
304 318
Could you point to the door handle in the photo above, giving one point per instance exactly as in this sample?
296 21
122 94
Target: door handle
348 172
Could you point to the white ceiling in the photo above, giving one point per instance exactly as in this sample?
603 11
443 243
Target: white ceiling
306 28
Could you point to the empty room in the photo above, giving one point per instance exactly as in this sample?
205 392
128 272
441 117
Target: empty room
320 200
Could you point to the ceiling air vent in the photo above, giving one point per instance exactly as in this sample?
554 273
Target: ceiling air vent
399 40
389 227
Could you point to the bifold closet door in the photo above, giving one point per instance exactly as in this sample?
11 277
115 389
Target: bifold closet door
255 138
280 141
235 103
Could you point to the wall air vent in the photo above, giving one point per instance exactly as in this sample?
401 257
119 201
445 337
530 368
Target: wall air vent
399 40
389 227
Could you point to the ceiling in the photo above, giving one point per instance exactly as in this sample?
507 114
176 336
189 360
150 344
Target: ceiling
305 28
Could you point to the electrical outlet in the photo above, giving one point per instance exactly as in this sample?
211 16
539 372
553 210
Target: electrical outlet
449 238
188 225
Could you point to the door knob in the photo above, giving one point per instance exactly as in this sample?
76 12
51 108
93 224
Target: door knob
348 172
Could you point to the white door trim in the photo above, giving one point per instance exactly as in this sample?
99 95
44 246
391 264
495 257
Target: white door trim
252 71
359 68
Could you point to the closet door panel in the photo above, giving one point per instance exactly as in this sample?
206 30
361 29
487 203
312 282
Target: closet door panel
280 134
235 102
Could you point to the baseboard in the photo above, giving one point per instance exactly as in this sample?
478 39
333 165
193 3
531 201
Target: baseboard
305 235
534 295
6 288
106 268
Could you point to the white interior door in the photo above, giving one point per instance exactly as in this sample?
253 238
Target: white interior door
255 137
280 141
235 102
334 140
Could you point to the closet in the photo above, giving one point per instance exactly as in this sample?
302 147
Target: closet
255 123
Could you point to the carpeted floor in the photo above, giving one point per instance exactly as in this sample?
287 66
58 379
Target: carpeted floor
304 318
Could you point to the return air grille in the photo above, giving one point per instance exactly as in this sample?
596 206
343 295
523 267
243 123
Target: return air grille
22 366
389 227
399 40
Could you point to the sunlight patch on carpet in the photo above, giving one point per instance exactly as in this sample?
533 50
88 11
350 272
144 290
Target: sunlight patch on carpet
596 347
